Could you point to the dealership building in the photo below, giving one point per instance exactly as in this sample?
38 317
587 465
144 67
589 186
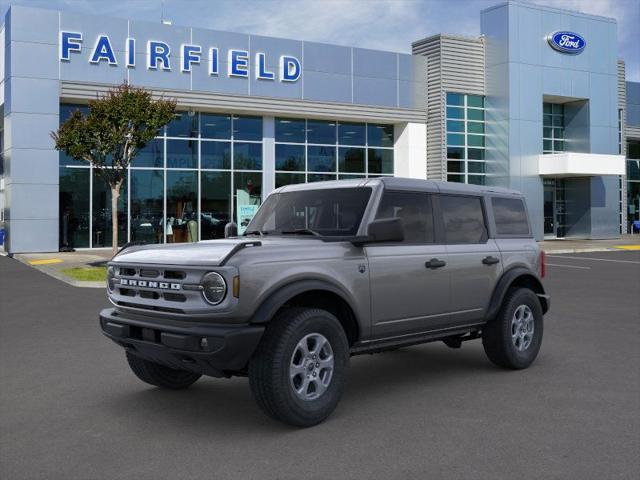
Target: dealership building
538 103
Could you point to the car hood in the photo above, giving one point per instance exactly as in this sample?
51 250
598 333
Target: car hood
208 252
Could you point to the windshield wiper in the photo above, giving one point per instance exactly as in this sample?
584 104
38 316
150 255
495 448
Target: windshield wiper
301 231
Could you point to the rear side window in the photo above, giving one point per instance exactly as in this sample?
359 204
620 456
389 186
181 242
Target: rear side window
414 211
463 219
510 215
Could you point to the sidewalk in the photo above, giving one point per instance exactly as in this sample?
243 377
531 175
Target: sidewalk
55 264
626 242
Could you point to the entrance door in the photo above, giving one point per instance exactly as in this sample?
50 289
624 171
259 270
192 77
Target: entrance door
555 208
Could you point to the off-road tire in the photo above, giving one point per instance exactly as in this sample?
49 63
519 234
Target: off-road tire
269 374
497 334
159 375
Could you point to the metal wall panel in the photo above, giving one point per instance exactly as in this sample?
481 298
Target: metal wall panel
454 64
74 91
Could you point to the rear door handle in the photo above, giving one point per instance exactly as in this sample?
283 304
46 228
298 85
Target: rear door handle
435 263
490 260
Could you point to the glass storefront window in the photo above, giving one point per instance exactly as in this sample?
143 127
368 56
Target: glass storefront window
283 179
152 155
74 207
215 126
320 131
185 124
147 194
215 203
351 160
552 127
455 126
455 152
101 216
215 155
182 154
474 114
189 142
182 206
290 130
247 156
66 109
455 139
351 133
317 177
380 161
247 128
321 159
251 184
465 137
290 157
380 135
455 98
455 113
475 101
455 167
633 182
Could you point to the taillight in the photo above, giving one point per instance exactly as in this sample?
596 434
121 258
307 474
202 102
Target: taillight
543 264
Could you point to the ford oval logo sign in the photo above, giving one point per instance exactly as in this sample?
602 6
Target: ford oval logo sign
567 42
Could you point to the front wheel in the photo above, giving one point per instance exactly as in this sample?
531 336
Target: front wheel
298 372
513 338
159 375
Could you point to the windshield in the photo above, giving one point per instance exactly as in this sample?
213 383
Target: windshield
334 212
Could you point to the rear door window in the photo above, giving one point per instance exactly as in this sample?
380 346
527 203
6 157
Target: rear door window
414 211
510 216
463 219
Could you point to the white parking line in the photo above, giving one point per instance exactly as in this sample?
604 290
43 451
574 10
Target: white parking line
591 258
568 266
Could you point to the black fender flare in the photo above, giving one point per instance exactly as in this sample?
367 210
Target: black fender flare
506 280
276 299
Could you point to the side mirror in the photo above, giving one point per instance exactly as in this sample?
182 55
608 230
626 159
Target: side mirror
384 230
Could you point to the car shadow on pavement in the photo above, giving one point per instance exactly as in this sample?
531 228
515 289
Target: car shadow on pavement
228 404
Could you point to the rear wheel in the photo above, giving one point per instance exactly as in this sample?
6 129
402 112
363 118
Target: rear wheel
159 375
298 372
513 338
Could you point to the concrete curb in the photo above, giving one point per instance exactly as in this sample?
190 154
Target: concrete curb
581 250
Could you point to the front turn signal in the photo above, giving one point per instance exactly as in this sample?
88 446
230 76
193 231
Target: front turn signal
236 287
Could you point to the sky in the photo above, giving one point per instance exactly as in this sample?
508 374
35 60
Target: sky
378 24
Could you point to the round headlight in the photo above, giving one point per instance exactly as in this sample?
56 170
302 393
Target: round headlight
111 272
214 288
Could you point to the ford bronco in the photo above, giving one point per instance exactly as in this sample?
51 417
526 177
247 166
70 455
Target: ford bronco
325 271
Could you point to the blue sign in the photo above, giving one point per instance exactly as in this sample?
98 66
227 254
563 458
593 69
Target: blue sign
159 57
567 42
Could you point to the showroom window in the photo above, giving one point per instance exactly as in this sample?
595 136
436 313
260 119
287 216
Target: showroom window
316 150
465 130
552 128
182 186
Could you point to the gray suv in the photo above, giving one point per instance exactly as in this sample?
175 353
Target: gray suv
329 270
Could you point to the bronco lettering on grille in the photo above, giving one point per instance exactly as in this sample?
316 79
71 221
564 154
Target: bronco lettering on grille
130 282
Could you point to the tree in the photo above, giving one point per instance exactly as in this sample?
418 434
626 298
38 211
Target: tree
117 126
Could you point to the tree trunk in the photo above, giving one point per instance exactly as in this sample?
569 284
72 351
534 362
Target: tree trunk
115 194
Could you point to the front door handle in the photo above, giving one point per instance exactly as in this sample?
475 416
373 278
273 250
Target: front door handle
490 260
435 263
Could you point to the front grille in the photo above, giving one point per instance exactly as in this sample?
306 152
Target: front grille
155 288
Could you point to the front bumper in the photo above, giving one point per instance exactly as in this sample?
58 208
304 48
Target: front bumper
214 350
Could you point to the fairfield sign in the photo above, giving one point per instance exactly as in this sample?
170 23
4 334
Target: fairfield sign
159 56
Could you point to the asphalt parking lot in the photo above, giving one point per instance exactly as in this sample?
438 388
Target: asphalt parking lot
71 409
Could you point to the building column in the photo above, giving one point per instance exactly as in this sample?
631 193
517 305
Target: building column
31 113
268 156
410 150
